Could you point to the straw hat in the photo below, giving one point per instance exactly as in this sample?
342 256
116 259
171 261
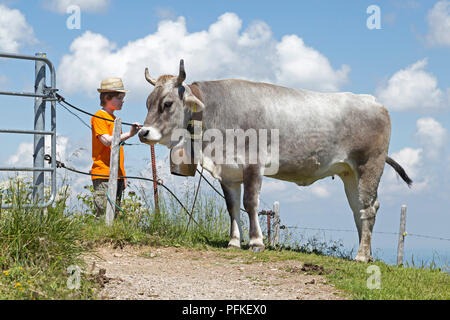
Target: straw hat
112 85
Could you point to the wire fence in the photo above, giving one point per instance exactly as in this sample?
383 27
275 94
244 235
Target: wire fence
353 231
61 100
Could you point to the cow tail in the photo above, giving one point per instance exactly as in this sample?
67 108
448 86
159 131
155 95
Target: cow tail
399 170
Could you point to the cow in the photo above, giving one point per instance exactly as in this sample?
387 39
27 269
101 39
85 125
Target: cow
320 135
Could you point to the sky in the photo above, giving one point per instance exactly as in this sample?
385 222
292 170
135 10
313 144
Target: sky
398 53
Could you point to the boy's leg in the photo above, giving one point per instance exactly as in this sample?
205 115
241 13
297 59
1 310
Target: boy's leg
120 189
100 189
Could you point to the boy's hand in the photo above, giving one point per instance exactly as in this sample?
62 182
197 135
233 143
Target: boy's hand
135 128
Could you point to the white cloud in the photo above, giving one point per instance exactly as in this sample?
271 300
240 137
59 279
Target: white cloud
269 186
14 30
166 13
439 24
302 66
23 157
24 154
67 152
320 192
412 88
221 51
60 6
432 136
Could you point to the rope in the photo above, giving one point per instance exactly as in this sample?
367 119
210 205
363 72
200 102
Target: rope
62 99
60 164
114 203
90 128
195 199
75 115
215 188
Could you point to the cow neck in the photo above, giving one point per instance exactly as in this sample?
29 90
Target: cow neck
196 116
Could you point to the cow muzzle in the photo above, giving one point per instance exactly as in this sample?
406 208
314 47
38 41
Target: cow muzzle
149 135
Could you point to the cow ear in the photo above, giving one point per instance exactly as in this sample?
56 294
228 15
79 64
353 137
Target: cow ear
193 103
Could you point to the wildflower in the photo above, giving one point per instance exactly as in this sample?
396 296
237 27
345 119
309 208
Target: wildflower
18 286
6 273
20 268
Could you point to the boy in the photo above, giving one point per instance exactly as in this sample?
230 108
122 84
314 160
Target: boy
112 93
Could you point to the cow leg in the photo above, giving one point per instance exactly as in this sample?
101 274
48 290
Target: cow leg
252 187
350 180
232 193
369 179
361 190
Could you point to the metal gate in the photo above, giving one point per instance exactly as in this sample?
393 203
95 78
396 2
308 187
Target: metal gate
42 94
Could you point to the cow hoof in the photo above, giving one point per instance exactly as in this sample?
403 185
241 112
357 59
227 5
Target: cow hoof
362 258
257 247
234 244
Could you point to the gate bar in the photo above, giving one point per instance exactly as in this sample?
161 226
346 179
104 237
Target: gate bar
26 131
46 94
26 169
24 94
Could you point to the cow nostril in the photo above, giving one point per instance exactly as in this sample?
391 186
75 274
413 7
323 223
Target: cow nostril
144 133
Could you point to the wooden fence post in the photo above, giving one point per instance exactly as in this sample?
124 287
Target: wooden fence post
401 236
113 172
276 223
155 183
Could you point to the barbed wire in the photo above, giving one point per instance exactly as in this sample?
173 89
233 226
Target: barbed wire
283 227
62 99
60 164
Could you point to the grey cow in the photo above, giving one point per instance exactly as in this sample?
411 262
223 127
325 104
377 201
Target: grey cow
320 135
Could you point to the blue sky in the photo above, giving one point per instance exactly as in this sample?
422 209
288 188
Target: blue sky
317 45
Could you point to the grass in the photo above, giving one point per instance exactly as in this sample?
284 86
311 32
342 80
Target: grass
396 282
36 248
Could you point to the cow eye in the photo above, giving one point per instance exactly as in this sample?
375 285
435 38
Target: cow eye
168 104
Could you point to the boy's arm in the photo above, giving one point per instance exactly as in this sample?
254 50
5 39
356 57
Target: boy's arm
106 139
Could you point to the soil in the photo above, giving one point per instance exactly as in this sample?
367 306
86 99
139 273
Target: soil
168 273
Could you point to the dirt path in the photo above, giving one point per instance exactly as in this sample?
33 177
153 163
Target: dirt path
180 273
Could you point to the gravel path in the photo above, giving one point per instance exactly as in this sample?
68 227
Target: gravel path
179 273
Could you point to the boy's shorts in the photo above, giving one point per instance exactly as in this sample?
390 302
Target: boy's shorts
100 199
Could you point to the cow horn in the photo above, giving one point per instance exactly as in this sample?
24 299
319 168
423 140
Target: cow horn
182 74
147 77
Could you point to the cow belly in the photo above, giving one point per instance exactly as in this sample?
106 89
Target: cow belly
223 172
305 176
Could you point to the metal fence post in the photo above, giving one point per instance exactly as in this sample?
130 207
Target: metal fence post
42 94
401 236
39 124
113 172
276 223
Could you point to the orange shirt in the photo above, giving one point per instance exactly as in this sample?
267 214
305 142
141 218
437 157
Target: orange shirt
100 152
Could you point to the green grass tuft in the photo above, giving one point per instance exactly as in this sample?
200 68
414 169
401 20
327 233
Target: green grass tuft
37 247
